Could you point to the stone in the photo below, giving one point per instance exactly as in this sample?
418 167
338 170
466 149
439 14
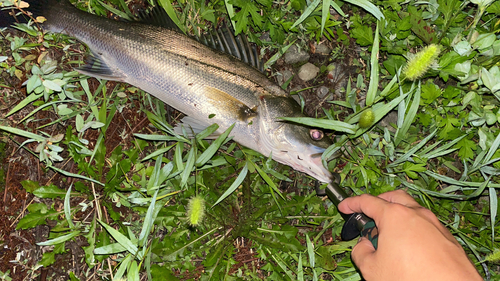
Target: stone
294 55
308 71
390 118
283 76
323 92
322 49
265 37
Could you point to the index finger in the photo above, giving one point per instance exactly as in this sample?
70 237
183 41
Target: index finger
401 197
369 205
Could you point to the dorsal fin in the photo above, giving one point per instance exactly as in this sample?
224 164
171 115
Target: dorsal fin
223 39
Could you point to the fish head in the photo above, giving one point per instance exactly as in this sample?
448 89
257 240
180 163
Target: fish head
292 144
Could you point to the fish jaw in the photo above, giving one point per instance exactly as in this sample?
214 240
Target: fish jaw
290 143
306 160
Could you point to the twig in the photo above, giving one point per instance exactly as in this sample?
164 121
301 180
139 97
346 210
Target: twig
22 212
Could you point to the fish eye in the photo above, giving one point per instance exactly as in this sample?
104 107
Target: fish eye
316 134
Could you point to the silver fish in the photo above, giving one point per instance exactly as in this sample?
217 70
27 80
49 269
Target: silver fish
208 85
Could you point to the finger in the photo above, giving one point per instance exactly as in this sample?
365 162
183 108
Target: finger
401 197
362 253
369 205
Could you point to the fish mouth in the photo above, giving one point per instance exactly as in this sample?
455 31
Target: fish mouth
309 163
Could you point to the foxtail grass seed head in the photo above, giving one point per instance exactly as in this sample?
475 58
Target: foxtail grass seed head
420 63
366 119
196 210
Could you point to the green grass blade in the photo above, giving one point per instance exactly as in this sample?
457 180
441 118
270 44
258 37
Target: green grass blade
123 266
282 264
148 221
29 99
408 119
167 5
125 8
178 156
191 159
452 181
212 149
109 249
156 137
338 126
234 185
369 7
432 193
493 210
158 152
268 180
276 56
337 8
207 132
69 174
93 105
493 149
310 8
59 239
230 12
67 208
133 272
115 11
442 150
379 110
412 151
120 238
371 93
154 178
201 238
22 133
325 13
310 252
300 270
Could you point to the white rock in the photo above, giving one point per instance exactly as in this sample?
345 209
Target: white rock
308 71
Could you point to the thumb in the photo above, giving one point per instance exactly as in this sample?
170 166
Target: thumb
363 253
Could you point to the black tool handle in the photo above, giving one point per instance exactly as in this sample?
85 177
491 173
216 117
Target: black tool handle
355 224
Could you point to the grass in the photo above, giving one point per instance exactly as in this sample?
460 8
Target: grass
110 184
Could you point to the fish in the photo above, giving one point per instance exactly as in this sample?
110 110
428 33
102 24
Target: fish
201 81
212 79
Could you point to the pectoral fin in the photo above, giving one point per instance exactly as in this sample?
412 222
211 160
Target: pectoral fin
192 127
97 68
232 107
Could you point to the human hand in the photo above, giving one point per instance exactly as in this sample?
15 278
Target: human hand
412 243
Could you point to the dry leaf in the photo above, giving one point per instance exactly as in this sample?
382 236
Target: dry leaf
23 5
40 19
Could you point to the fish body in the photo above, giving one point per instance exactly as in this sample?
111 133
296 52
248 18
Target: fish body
208 85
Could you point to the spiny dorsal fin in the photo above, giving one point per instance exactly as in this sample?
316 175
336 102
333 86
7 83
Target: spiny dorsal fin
221 39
